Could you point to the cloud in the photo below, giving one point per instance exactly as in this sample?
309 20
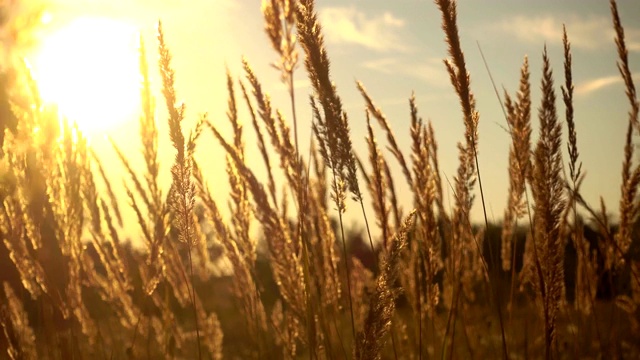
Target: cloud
584 33
431 70
632 39
593 85
347 25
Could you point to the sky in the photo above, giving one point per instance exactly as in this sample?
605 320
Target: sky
395 48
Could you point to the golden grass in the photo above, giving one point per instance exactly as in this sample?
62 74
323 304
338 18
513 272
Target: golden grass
72 288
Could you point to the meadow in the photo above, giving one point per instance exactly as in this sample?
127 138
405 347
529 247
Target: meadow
556 278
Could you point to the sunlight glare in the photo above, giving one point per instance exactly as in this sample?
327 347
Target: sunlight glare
89 69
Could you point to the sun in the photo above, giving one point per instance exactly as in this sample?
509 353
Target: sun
89 70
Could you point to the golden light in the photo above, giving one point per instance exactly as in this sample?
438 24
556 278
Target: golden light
89 69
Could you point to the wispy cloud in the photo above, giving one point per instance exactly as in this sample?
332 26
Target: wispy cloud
430 70
632 38
347 25
587 87
584 33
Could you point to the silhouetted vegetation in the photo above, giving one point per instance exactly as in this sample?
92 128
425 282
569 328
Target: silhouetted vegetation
282 276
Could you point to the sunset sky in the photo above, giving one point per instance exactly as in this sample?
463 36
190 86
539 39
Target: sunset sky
393 47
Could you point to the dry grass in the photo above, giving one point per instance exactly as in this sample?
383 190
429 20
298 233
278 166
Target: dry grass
72 288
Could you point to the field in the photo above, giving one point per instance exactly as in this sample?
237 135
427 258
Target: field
274 270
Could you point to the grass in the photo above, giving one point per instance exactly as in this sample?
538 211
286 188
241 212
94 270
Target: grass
540 284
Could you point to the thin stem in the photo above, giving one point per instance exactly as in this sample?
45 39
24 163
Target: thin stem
486 222
292 96
300 196
346 264
366 223
375 259
419 305
193 301
492 259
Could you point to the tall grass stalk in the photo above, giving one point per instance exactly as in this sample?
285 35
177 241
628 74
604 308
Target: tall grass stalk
456 68
332 130
183 194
